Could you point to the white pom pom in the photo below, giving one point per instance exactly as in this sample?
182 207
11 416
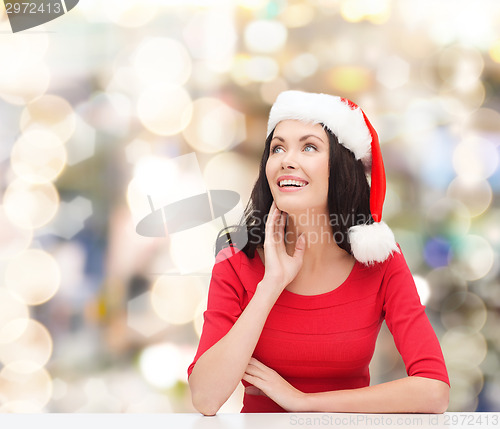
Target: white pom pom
372 243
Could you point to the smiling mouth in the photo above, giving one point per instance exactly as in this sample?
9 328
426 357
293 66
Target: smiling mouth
288 183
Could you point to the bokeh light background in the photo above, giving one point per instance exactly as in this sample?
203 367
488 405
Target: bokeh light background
94 107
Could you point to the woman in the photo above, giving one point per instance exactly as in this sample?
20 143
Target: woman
296 313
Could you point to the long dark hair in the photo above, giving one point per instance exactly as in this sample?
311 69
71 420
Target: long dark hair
348 201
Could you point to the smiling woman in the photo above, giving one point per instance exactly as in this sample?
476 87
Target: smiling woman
295 312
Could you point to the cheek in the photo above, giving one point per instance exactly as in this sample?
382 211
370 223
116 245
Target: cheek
270 170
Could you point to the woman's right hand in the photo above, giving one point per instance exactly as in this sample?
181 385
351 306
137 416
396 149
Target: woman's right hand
281 268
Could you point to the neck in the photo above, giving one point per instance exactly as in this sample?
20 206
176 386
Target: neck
321 247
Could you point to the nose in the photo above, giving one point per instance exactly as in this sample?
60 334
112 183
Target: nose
288 161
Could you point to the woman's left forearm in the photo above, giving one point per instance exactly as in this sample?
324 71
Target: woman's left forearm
406 395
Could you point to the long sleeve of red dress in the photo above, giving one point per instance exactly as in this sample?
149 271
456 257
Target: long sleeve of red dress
325 342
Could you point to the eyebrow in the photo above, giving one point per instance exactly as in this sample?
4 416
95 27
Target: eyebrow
301 139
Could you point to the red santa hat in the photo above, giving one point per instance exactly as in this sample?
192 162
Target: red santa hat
370 243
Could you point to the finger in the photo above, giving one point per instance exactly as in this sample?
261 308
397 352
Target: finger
257 363
255 371
272 231
300 246
281 228
271 211
255 381
252 390
270 220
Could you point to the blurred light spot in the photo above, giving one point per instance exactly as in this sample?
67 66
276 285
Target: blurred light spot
231 171
214 126
151 403
38 156
13 238
261 69
30 206
34 275
437 252
238 70
436 170
198 317
130 13
377 11
300 67
211 36
25 392
447 217
443 282
25 85
463 102
159 365
490 227
165 109
297 15
422 289
12 307
475 159
270 90
142 318
463 347
49 113
484 120
138 149
192 250
424 115
60 389
99 398
412 244
159 59
81 145
468 381
110 112
472 257
155 177
207 80
252 4
31 350
495 51
464 309
176 298
350 79
265 36
25 50
393 72
460 66
23 75
392 205
476 195
71 217
194 259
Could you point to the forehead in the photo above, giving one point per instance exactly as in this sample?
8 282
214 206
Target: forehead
296 128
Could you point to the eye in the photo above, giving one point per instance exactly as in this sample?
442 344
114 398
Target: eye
276 149
311 147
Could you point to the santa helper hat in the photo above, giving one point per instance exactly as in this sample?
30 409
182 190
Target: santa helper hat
369 243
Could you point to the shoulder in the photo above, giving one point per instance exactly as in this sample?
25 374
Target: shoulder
380 273
233 262
394 261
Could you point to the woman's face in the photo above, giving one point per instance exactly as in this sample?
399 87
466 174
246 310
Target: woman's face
297 169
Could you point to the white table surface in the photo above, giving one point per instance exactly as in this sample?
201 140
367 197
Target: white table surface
248 421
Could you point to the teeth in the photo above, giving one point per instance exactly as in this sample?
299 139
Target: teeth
290 182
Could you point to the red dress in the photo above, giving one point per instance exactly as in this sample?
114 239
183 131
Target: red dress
325 342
